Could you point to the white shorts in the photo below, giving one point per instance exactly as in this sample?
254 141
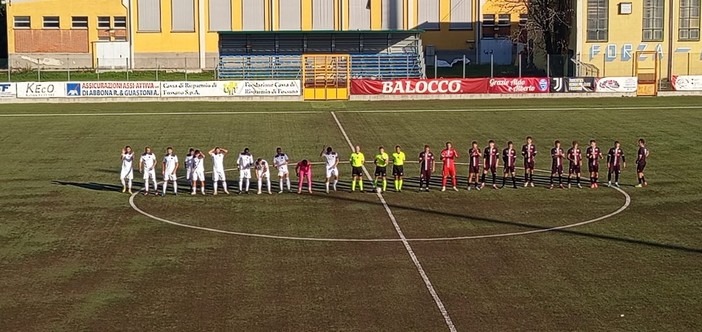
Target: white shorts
198 175
334 171
263 174
150 174
282 170
127 174
245 174
218 175
170 177
188 173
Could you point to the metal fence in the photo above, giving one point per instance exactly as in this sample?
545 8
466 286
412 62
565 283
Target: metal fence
82 67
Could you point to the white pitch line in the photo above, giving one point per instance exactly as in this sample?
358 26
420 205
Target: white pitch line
415 260
478 109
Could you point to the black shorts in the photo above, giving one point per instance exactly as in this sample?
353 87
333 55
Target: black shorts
640 167
594 168
574 169
381 171
557 169
509 169
425 173
491 168
615 168
529 165
356 171
398 170
475 169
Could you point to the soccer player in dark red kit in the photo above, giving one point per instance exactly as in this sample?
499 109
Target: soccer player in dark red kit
575 159
557 164
594 155
615 162
641 158
491 155
449 156
509 159
474 155
529 153
427 165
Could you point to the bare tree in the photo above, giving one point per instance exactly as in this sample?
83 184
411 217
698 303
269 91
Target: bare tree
548 28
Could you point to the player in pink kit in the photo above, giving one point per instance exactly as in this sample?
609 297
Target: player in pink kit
449 156
304 172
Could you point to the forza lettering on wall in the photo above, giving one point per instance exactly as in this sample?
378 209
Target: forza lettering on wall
419 86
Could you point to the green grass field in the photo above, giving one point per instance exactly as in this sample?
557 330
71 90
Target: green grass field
75 255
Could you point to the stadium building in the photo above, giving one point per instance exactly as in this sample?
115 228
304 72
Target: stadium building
608 34
208 34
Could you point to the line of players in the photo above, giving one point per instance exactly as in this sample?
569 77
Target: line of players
490 156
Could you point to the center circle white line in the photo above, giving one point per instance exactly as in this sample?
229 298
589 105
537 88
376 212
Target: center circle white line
627 202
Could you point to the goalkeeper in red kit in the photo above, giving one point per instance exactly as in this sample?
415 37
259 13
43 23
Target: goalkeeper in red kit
449 156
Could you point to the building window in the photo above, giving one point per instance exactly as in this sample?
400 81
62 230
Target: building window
597 20
51 22
428 15
653 11
523 19
689 20
103 23
22 22
503 20
120 22
461 15
488 20
79 22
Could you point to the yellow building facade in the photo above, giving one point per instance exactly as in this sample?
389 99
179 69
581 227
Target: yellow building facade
184 33
608 35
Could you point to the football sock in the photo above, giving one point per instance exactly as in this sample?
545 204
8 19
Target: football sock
217 184
482 178
401 182
123 183
526 177
268 184
165 186
560 179
453 180
531 177
360 184
260 183
175 187
609 176
248 183
551 180
326 185
335 181
280 184
375 182
643 179
397 184
353 185
577 179
224 186
443 181
202 188
288 184
616 177
155 185
385 184
514 181
146 185
241 185
569 179
504 179
493 178
130 184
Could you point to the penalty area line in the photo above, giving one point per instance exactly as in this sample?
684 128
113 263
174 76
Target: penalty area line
411 253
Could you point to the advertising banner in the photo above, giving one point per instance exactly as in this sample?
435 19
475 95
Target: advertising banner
616 84
231 88
687 83
519 85
419 86
41 89
572 84
8 90
113 89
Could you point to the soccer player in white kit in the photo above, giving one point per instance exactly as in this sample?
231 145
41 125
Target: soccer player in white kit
189 165
280 161
147 165
127 170
245 163
198 171
218 168
169 168
263 171
331 161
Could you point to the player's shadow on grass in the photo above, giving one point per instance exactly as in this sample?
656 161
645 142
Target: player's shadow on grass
92 185
522 225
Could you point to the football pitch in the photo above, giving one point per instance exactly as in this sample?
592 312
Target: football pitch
78 254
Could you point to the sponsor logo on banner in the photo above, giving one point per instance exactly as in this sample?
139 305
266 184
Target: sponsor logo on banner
687 83
572 84
616 84
230 88
8 90
41 89
419 86
113 89
519 85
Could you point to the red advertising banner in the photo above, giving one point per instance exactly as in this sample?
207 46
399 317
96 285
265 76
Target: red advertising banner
519 85
420 87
